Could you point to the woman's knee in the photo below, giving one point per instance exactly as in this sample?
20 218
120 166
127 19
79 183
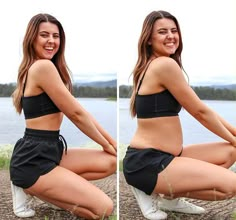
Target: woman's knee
229 155
111 164
232 153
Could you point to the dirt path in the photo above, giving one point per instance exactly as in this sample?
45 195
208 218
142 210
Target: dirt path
129 209
43 212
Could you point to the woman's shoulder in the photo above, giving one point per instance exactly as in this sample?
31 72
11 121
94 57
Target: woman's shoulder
163 65
41 63
163 62
163 68
41 66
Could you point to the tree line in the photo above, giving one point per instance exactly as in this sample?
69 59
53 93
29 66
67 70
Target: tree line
203 92
6 90
94 92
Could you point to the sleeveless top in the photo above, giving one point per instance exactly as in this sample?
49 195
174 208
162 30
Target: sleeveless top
37 106
159 104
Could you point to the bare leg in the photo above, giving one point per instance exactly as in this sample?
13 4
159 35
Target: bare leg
219 153
89 163
67 187
71 192
196 179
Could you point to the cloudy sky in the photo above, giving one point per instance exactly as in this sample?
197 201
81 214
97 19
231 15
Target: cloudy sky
102 36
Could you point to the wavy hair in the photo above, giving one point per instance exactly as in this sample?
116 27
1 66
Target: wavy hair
145 50
29 56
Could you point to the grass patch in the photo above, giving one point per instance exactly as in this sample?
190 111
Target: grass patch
5 156
4 163
122 152
112 217
234 215
120 165
112 99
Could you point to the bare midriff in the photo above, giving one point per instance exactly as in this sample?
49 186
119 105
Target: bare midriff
162 133
51 122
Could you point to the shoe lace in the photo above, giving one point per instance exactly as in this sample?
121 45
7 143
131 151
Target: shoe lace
154 198
29 202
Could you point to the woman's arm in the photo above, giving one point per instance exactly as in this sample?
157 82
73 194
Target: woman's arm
103 132
49 80
230 128
171 77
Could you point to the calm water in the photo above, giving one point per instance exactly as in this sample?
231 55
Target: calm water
193 131
12 125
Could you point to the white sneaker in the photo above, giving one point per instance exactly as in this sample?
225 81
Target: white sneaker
148 205
180 205
21 202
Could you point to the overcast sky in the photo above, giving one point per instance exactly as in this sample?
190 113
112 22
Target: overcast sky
102 36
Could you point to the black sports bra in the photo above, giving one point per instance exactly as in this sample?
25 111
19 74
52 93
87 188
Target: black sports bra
159 104
36 106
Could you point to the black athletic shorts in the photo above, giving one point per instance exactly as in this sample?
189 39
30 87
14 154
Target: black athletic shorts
141 167
36 154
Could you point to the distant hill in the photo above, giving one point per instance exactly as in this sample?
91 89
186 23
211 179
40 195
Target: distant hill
231 86
99 84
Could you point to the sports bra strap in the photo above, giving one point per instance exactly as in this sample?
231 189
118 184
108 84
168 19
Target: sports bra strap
141 80
25 83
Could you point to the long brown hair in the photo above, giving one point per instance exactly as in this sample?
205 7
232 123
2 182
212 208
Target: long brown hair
145 50
29 56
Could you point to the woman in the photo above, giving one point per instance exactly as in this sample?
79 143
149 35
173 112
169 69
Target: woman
156 161
39 163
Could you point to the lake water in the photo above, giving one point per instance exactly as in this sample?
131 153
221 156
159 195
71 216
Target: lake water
193 131
12 125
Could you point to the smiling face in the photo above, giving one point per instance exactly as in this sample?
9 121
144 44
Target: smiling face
47 42
164 39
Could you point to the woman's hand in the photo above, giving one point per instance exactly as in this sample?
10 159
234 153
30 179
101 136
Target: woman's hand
110 149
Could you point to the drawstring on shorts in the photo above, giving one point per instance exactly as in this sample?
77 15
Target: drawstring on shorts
62 139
